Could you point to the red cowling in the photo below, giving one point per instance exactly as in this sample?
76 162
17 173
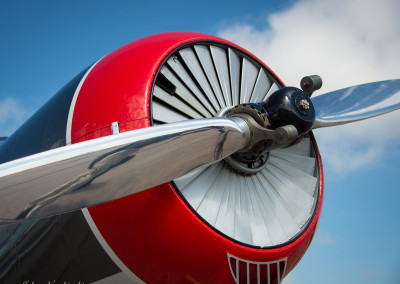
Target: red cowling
154 233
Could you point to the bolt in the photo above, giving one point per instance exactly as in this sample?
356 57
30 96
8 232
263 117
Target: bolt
304 104
306 84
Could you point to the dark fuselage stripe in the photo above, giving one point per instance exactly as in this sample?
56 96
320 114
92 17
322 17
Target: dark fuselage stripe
60 248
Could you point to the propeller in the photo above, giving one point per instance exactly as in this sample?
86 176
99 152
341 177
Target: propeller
356 103
104 169
107 168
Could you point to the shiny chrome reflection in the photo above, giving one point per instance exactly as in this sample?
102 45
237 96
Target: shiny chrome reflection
356 103
111 167
265 209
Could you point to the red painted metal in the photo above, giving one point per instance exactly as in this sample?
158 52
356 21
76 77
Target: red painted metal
154 232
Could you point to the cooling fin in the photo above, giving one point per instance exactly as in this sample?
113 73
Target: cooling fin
266 209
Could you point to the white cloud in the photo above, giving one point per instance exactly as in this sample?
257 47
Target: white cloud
324 238
288 280
11 115
346 43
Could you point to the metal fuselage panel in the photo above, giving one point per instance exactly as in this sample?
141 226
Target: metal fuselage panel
62 247
43 131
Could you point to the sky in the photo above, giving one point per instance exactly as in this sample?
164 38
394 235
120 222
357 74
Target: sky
44 44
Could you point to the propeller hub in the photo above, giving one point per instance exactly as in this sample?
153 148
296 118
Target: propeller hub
290 106
280 121
254 158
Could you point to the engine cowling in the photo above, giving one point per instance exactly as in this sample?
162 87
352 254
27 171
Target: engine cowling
164 234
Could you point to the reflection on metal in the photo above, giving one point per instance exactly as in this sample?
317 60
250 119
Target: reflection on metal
246 272
356 103
2 139
111 167
276 204
51 242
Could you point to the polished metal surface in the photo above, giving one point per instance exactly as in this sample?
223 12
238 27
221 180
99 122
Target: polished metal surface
248 80
261 87
272 90
265 209
49 249
221 66
111 167
234 70
184 93
190 59
278 201
177 66
206 61
172 100
356 103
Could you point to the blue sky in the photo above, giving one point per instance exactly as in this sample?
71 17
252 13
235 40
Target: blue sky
44 44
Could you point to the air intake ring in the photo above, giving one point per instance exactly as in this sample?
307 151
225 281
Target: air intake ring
271 204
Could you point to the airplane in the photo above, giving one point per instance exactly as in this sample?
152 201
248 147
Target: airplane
177 158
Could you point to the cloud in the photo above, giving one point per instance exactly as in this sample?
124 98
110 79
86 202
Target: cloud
324 238
358 43
11 115
288 279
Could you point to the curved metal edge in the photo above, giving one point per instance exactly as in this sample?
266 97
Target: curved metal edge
104 169
356 103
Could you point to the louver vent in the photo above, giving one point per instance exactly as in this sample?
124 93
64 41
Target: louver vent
246 272
266 209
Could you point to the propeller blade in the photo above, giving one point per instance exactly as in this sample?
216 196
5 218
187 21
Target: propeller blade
104 169
356 103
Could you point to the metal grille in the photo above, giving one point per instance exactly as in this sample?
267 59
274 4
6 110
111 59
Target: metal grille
249 272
